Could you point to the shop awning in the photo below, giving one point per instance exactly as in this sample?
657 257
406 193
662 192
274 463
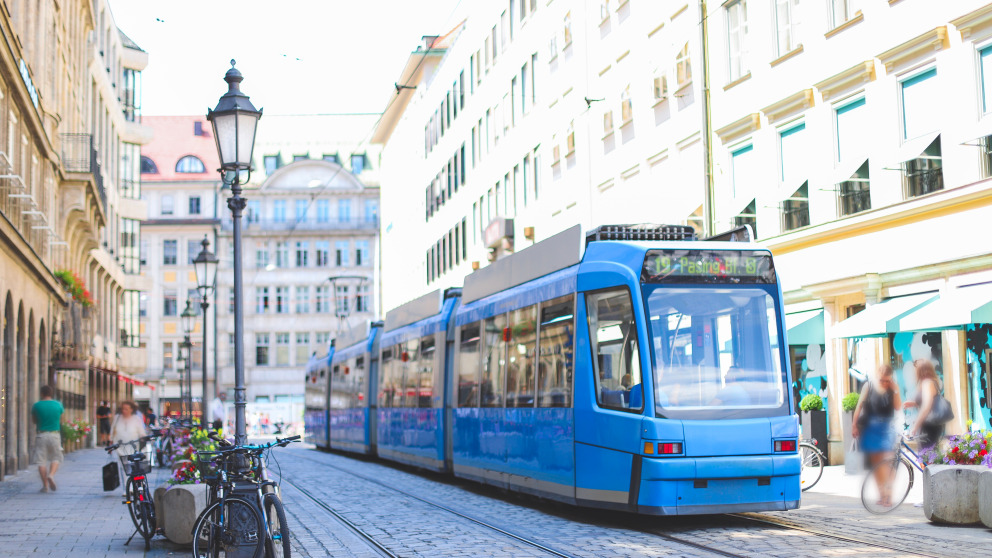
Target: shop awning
805 328
883 318
954 309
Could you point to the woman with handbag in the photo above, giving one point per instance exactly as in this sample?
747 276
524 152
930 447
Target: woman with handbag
128 426
873 423
933 408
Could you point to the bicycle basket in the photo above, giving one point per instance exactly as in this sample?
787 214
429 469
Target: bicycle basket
142 467
208 468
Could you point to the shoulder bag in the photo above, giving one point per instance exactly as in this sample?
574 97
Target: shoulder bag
940 411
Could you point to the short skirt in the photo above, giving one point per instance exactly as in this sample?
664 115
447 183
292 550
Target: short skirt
877 436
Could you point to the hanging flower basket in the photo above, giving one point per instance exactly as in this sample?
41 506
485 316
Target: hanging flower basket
75 286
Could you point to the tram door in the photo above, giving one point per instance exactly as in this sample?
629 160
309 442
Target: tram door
608 432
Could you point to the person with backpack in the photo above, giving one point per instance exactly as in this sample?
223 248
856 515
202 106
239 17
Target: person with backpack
934 410
873 422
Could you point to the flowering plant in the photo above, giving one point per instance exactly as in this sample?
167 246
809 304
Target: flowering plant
188 471
76 287
185 473
74 430
973 448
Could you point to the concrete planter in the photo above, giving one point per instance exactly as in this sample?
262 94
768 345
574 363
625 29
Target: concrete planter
814 425
951 493
176 510
985 498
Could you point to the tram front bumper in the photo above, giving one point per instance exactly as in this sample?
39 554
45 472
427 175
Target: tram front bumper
704 485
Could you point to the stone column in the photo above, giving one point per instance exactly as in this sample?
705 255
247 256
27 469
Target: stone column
836 358
956 378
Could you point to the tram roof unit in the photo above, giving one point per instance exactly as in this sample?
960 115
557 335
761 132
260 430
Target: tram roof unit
356 341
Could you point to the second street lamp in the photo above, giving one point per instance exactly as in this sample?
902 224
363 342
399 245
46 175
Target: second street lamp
188 318
205 266
234 121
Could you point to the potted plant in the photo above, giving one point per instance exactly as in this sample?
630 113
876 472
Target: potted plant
853 458
957 469
813 420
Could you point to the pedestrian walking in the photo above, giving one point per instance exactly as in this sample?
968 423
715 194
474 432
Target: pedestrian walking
128 426
873 424
218 411
103 416
47 415
928 428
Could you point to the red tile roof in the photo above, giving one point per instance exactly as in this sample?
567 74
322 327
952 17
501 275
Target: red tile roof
173 140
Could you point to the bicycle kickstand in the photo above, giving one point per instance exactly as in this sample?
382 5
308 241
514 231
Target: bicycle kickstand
131 537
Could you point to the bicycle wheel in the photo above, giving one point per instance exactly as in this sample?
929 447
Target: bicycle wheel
133 503
277 543
812 462
229 528
887 485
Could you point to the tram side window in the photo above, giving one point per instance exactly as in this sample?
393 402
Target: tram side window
338 389
613 334
409 361
358 383
425 372
387 389
493 361
521 338
554 368
468 366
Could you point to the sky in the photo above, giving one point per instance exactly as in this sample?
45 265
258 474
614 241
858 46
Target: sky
297 56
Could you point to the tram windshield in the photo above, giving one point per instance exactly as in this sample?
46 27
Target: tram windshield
716 352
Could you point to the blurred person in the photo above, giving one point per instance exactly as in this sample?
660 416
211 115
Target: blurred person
128 426
47 415
927 391
873 424
218 411
103 415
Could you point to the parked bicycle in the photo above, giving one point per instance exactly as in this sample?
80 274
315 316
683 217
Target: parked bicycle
137 494
245 515
165 447
811 464
889 481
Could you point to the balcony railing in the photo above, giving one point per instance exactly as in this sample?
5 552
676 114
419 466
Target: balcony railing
308 224
80 155
853 198
922 182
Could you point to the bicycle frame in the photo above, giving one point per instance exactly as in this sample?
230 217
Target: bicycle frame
916 460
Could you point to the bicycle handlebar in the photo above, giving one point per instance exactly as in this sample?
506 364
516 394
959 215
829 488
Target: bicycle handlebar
140 441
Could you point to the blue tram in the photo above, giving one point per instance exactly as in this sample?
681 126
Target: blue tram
639 370
315 393
353 377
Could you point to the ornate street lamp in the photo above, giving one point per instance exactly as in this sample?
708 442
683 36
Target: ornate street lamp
181 370
234 121
188 319
205 266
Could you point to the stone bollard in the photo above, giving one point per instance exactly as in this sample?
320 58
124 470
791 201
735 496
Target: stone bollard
181 505
159 509
985 498
950 493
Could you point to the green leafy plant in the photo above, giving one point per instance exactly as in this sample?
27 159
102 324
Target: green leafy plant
74 430
811 402
76 287
850 401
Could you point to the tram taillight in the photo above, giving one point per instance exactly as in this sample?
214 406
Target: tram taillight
785 445
670 448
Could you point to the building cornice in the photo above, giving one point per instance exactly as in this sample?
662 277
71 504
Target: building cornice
738 128
856 75
976 25
174 222
914 49
789 106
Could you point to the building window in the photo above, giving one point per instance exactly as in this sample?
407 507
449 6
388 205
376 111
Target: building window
795 210
792 152
341 253
130 245
300 212
302 254
322 249
736 39
683 67
626 107
190 164
194 205
170 251
300 158
362 298
282 349
282 300
323 211
282 254
787 23
322 339
148 166
303 299
302 348
341 300
357 163
271 163
167 355
322 300
852 145
331 158
192 250
742 170
279 211
570 139
167 204
371 211
362 253
920 104
344 211
254 211
923 175
748 217
169 302
262 255
261 300
854 194
660 88
567 30
842 11
261 349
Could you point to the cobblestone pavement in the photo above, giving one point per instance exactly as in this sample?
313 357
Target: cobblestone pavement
827 524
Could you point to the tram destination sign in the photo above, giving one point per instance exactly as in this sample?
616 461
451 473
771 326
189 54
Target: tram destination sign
708 266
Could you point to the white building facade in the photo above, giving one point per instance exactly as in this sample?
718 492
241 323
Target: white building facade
828 127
